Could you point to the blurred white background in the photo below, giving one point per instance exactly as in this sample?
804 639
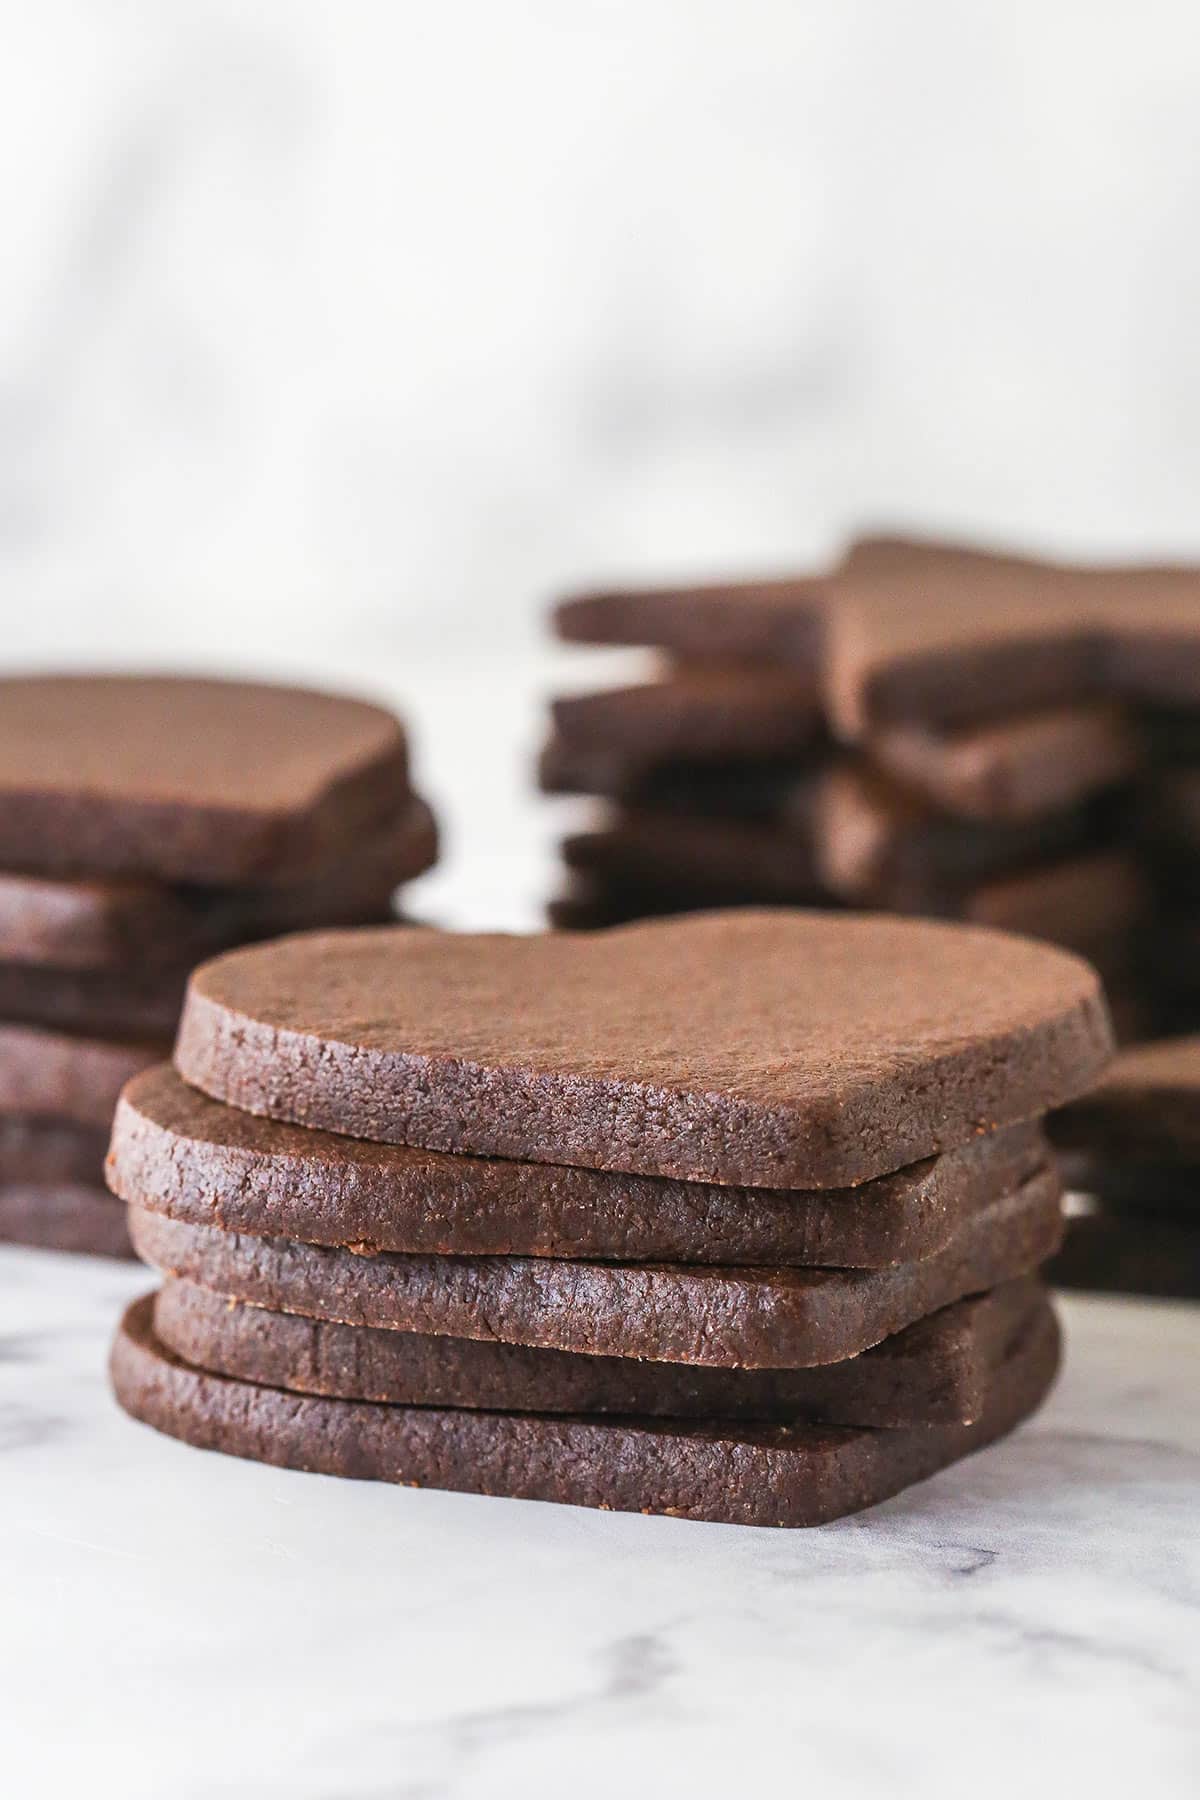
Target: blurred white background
337 335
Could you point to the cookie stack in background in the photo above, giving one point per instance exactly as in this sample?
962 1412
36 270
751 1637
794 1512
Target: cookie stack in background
144 824
999 718
974 737
712 770
1132 1150
1169 826
736 1218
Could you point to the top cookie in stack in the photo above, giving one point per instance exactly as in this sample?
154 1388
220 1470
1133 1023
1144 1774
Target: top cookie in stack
736 1217
144 823
968 734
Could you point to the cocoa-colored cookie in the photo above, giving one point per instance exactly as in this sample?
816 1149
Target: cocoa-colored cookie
46 1152
1134 1144
177 1152
900 553
721 860
140 1000
1014 769
779 621
950 645
1130 1253
703 714
1172 961
1139 1011
1092 904
73 1078
1169 813
940 1369
1152 628
1146 1107
767 1049
846 833
1005 771
1163 1189
1171 734
1176 877
188 780
1098 906
102 924
592 903
933 634
77 1216
878 844
134 1002
741 1474
666 1312
773 622
759 790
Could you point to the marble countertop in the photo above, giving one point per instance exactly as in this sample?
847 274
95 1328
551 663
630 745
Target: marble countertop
175 1623
186 1624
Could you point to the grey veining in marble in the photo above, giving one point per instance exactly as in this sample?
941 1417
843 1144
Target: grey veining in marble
182 1623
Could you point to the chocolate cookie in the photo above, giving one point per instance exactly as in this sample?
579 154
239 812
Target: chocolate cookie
1140 1185
764 1475
67 1215
1097 905
1146 1253
946 646
713 858
765 622
592 903
1014 769
177 1152
729 1318
188 780
134 1002
900 553
48 1152
751 1048
703 714
878 844
1146 1107
69 1078
101 925
773 622
1169 815
1092 904
1170 734
767 789
940 1369
1152 625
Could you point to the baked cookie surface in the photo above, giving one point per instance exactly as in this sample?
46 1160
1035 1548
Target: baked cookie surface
767 1049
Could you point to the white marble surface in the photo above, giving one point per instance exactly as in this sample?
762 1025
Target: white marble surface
183 1624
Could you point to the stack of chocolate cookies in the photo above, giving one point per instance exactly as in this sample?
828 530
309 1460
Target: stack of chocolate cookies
1168 820
1000 720
929 731
145 823
1132 1151
736 1217
713 771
